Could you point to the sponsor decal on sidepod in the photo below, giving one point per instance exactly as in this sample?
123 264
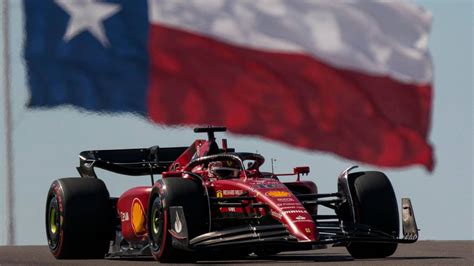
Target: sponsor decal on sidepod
278 193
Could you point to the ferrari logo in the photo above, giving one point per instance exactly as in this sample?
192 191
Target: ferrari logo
307 230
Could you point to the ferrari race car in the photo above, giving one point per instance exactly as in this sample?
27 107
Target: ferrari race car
213 201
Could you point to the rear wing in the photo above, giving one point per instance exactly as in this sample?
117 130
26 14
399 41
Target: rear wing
146 161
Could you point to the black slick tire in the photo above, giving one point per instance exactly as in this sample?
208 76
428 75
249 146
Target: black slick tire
175 191
78 218
375 205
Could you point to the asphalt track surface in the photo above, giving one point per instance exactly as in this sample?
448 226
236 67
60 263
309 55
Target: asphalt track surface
420 253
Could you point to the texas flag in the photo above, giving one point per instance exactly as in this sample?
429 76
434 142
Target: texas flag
349 77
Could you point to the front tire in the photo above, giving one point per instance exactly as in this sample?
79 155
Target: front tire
79 221
375 205
191 196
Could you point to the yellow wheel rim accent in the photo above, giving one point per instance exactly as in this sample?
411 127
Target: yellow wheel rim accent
52 219
154 222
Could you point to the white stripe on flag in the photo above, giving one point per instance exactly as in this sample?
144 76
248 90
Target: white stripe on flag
374 37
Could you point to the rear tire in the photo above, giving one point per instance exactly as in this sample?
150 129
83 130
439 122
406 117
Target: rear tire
375 205
189 194
79 221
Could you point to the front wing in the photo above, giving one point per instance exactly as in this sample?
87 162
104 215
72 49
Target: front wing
339 233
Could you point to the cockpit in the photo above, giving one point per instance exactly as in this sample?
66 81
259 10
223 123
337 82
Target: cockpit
227 165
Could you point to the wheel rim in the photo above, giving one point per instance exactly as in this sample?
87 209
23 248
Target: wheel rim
53 228
53 223
156 223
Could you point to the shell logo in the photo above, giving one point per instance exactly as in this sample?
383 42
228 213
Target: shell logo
278 193
219 194
138 217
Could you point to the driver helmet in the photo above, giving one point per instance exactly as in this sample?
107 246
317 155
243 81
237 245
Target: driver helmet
223 169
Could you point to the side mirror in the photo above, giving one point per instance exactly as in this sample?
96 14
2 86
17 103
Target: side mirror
301 170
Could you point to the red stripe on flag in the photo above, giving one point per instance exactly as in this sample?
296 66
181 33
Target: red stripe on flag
292 98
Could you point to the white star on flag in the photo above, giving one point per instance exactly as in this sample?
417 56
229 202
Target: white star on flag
87 15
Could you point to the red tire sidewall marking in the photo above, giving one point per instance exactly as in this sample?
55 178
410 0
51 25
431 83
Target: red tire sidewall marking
165 233
57 191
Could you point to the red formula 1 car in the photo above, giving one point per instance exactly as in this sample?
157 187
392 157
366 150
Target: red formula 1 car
213 201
